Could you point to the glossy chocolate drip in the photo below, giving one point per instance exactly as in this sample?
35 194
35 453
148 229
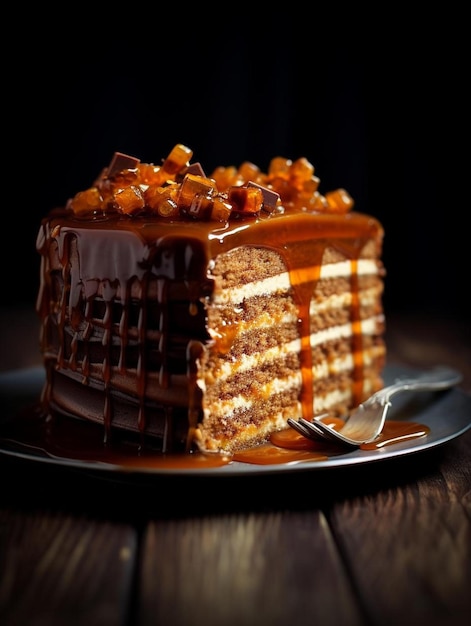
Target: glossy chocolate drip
139 255
71 439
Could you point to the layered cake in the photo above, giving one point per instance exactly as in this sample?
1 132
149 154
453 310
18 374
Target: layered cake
202 311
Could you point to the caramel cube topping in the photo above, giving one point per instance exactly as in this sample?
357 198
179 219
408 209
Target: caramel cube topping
247 200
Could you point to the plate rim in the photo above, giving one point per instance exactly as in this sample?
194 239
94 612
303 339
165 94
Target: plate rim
13 380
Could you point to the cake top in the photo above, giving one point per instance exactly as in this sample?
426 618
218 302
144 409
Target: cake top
178 189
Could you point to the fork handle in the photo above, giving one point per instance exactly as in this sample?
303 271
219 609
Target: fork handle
442 377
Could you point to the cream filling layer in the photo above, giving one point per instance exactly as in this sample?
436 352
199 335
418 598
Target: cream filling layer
279 284
322 403
282 282
255 360
367 297
226 408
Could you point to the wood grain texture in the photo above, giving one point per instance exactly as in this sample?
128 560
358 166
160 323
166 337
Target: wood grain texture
58 569
388 544
408 547
255 569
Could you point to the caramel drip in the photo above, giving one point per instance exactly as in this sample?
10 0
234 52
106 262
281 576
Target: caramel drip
304 281
106 371
87 332
82 440
62 314
133 253
164 376
141 363
357 337
164 379
123 329
194 352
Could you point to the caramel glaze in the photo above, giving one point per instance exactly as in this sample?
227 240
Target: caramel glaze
131 253
81 440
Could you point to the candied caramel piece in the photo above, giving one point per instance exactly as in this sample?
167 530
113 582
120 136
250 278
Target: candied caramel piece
309 197
310 186
129 200
221 210
168 208
249 171
150 174
86 201
282 187
201 207
318 202
339 201
163 200
195 197
178 158
271 198
180 188
193 185
279 168
300 172
226 177
248 200
122 179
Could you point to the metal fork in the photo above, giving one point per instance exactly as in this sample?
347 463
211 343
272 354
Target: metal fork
367 421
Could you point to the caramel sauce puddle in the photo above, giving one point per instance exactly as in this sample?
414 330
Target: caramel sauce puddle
71 439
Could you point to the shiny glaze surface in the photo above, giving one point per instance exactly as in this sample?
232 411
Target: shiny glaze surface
121 261
64 438
129 254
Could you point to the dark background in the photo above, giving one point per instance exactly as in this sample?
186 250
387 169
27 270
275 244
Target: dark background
378 104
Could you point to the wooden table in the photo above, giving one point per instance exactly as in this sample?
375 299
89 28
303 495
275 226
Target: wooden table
363 545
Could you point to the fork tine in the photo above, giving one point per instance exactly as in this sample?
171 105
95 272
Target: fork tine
302 430
310 429
313 424
334 435
314 430
366 422
318 431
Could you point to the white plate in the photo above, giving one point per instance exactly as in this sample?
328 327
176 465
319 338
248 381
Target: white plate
447 414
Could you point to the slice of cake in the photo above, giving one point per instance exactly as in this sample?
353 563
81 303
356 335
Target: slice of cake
204 311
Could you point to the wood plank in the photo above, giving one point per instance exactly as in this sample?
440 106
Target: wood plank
408 545
243 569
60 569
